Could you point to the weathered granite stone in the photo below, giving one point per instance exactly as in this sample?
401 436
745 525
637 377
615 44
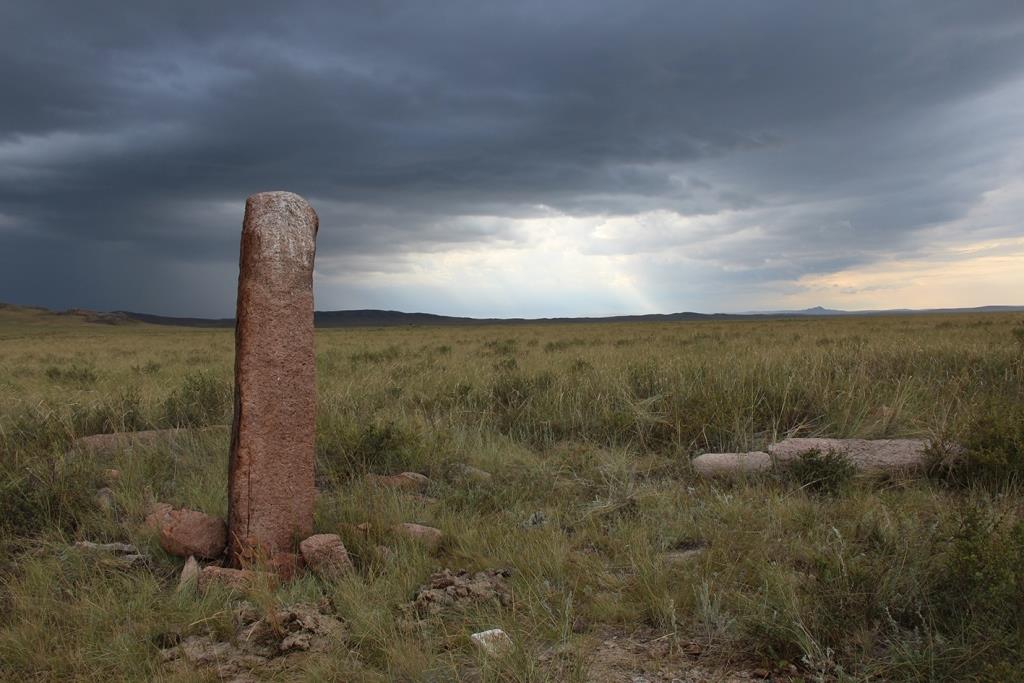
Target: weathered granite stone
494 642
271 492
190 532
325 554
189 575
122 553
406 481
464 472
714 464
864 454
109 444
158 515
427 535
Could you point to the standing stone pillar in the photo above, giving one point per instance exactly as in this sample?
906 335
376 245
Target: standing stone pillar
270 476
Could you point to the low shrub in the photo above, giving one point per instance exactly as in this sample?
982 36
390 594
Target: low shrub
819 473
978 597
383 447
122 412
991 450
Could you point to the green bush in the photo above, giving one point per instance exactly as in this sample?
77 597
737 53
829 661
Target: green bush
45 492
820 473
121 413
978 596
991 450
383 447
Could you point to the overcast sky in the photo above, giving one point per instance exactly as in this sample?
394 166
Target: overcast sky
518 158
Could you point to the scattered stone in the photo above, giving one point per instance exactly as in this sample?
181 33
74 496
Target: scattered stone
109 444
159 513
427 535
406 481
116 548
325 554
447 590
864 454
189 575
685 552
299 628
241 580
271 487
264 643
679 557
468 472
123 554
718 464
493 643
189 532
386 554
105 499
111 476
535 519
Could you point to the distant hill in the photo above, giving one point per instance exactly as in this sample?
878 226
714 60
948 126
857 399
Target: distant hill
380 318
818 310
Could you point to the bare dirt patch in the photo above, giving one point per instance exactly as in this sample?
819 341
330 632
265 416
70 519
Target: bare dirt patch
260 645
644 656
447 590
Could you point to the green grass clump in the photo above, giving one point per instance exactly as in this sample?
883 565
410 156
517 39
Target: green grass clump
202 399
990 451
79 375
822 473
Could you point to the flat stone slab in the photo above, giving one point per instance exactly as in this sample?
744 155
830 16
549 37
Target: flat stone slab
867 455
714 464
106 444
406 481
864 454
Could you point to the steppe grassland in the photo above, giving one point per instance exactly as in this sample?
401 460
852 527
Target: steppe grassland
592 426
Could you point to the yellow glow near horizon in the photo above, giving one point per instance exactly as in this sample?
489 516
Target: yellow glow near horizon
990 272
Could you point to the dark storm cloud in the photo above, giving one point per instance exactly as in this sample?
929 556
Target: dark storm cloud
131 134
